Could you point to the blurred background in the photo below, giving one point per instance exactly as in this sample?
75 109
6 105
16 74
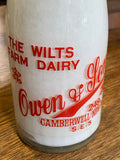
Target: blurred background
114 22
114 13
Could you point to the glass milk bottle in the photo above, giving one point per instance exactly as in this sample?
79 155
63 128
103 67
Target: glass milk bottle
57 51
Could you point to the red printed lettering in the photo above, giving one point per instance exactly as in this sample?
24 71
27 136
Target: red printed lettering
65 64
69 52
35 108
16 45
75 64
41 65
18 58
95 73
49 52
51 66
38 51
57 66
76 95
66 122
59 51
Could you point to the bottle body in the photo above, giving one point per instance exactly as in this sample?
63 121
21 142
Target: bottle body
57 52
